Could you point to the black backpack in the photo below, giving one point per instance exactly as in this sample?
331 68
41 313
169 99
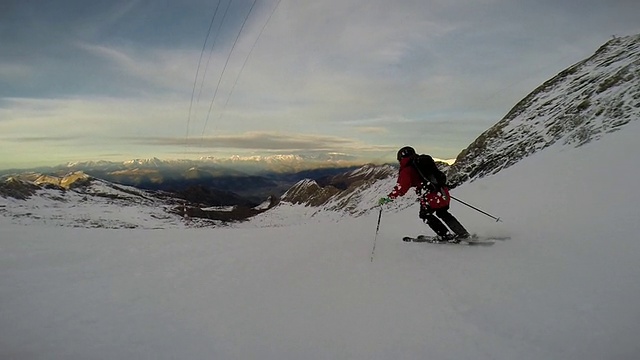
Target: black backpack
429 171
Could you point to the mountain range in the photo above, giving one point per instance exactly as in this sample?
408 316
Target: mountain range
222 181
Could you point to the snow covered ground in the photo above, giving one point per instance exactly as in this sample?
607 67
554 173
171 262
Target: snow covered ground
565 286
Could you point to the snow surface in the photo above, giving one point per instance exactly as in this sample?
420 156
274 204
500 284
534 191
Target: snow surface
565 286
99 205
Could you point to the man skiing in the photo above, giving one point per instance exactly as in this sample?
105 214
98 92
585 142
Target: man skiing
430 184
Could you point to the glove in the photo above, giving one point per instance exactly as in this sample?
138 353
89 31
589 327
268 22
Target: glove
384 200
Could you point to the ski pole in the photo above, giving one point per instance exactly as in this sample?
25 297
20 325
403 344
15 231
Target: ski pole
497 219
376 237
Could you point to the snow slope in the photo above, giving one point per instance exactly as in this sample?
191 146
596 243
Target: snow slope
565 286
98 204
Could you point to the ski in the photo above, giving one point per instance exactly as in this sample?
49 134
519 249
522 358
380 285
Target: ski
473 240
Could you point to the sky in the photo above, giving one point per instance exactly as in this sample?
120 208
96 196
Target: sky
118 80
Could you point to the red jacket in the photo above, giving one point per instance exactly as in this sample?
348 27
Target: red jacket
408 177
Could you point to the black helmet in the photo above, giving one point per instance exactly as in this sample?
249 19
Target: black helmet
405 152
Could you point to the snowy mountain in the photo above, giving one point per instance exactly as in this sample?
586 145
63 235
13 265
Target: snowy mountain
153 162
78 200
218 182
581 104
278 163
352 193
342 192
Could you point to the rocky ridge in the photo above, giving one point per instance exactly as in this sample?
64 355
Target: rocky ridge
582 103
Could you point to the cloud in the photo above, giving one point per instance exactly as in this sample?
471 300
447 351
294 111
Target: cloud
265 140
372 130
15 72
40 139
91 118
164 68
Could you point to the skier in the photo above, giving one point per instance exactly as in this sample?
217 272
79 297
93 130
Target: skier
433 193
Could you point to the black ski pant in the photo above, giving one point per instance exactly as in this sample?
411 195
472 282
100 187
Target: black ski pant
427 215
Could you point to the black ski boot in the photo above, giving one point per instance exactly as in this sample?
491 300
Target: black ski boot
448 237
436 225
454 225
